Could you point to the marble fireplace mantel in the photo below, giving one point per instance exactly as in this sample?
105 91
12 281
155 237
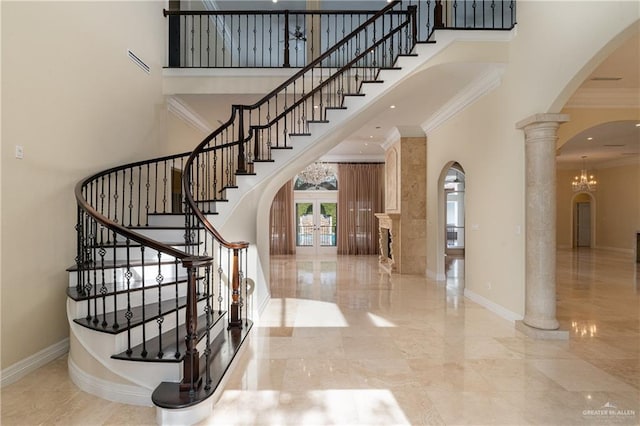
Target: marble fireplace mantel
389 239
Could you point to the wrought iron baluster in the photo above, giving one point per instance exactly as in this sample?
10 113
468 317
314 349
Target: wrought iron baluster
160 318
147 206
177 328
144 306
115 325
164 187
128 314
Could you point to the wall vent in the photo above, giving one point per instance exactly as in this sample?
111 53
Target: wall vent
138 62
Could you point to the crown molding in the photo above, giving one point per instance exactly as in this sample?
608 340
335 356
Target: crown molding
587 97
353 158
186 114
392 137
471 93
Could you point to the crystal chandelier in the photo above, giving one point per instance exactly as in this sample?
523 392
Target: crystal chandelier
316 173
585 182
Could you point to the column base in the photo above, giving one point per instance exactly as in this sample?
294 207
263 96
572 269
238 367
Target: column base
540 334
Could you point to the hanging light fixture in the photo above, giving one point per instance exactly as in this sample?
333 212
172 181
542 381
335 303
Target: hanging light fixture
316 173
585 182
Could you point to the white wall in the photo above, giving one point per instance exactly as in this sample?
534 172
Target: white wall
555 42
77 104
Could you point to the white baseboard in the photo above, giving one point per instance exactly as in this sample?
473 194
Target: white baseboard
117 392
617 249
20 369
492 306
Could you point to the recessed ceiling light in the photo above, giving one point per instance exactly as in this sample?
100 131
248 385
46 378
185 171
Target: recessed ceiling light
589 139
637 124
315 107
275 1
370 136
392 106
366 144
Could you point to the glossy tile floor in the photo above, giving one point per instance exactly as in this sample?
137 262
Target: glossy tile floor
342 344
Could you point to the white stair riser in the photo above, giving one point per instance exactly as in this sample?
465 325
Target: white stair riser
160 234
150 272
135 299
166 220
134 254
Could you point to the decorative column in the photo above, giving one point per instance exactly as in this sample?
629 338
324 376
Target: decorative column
540 248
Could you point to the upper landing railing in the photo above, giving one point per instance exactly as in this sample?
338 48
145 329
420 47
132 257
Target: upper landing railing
293 38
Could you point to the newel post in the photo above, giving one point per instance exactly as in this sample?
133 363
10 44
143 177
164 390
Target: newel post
242 168
437 15
191 379
286 63
235 321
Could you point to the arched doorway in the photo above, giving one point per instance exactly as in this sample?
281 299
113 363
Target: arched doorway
583 214
451 187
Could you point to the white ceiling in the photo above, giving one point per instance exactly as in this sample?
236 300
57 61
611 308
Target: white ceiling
614 83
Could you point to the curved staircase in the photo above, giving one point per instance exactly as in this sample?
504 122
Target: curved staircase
159 303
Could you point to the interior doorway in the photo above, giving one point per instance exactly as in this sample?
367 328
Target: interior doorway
451 221
583 220
316 222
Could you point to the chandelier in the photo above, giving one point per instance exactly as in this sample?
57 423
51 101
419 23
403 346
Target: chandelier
316 173
585 182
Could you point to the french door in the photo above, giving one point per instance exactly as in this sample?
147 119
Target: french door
316 225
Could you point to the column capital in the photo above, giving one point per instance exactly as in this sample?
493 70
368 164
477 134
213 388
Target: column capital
542 119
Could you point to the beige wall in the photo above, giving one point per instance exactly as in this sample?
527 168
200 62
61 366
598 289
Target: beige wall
616 207
77 104
483 139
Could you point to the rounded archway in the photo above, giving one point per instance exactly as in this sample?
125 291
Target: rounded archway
451 224
583 220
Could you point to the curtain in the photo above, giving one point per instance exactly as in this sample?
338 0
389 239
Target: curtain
282 227
360 196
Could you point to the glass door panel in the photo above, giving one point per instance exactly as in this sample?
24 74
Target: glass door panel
305 224
316 226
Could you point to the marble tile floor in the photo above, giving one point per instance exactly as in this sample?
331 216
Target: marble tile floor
342 344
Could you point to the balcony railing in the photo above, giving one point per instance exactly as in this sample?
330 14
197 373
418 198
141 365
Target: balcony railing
294 38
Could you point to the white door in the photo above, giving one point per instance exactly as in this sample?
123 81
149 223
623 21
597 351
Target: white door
316 226
584 225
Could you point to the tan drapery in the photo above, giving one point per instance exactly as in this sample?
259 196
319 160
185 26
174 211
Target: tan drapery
282 227
360 196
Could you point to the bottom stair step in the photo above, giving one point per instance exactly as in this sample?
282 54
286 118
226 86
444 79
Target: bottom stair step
153 351
224 348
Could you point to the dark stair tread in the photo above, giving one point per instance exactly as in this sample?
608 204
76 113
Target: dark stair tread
213 200
373 81
121 287
119 263
389 68
151 313
245 174
281 147
299 134
264 161
426 42
224 348
318 121
354 94
168 351
408 54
